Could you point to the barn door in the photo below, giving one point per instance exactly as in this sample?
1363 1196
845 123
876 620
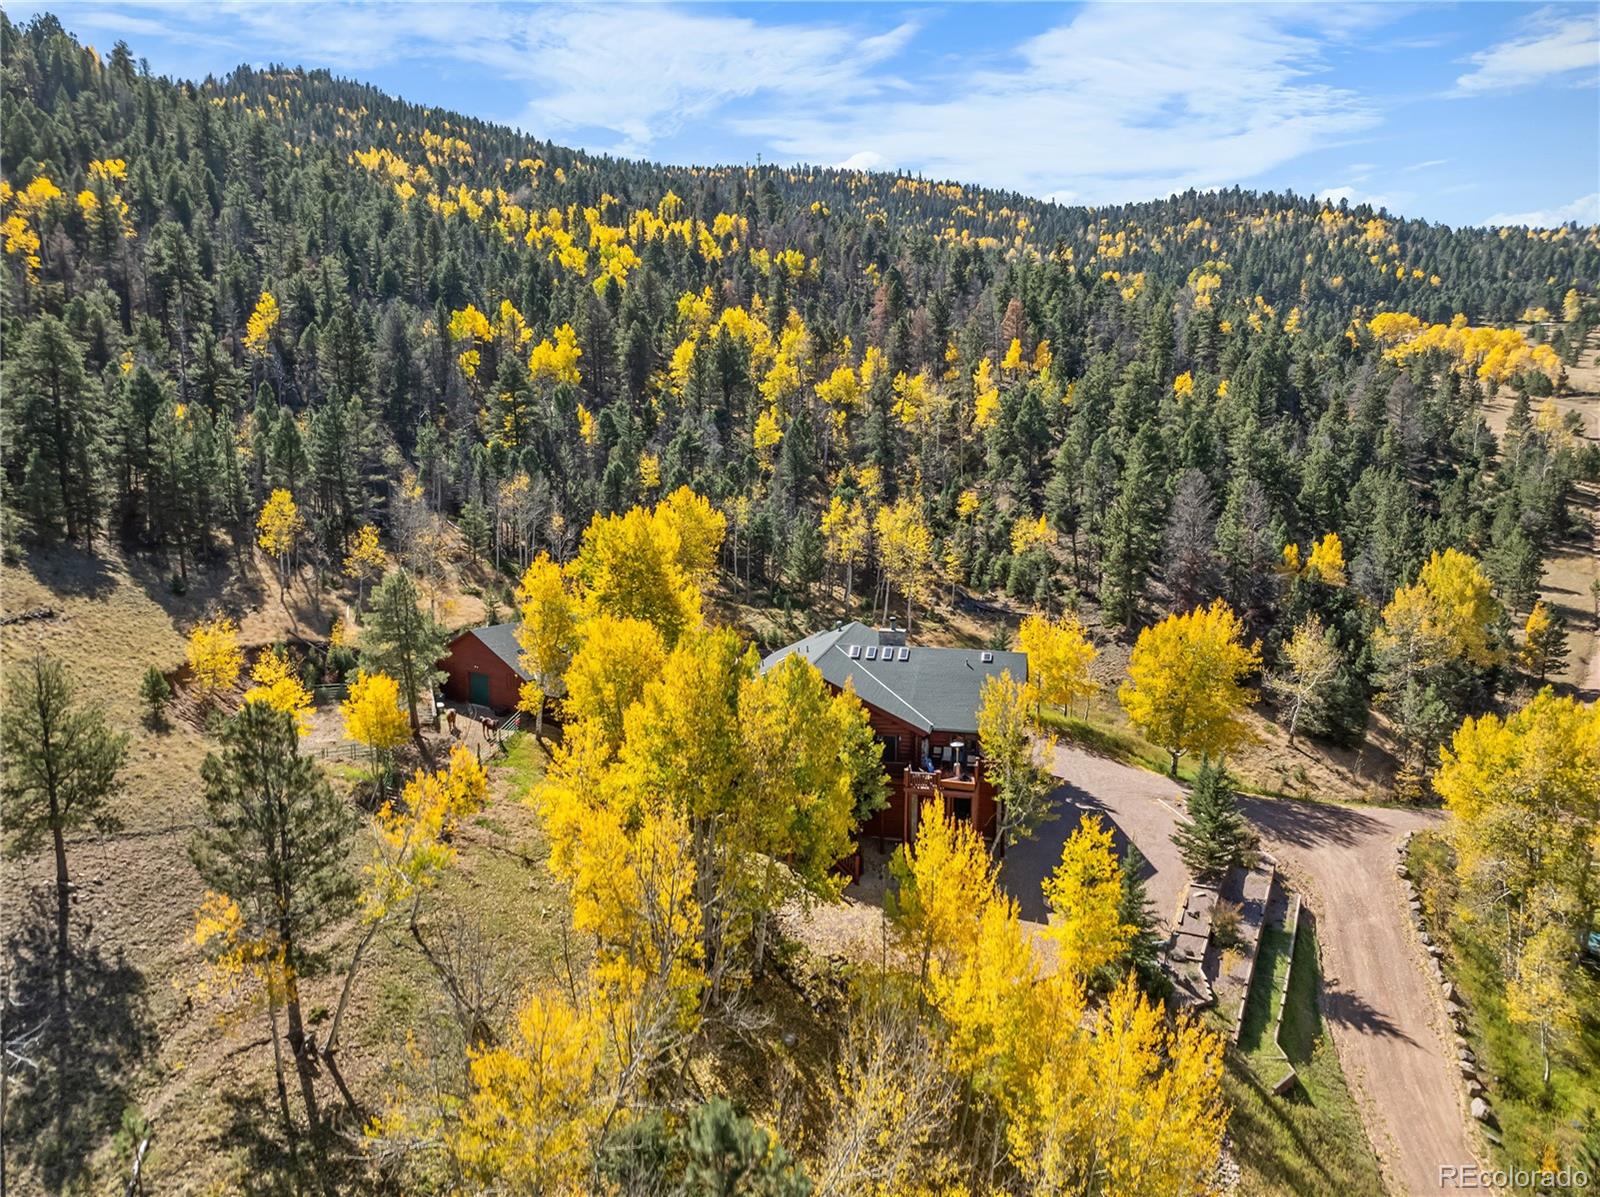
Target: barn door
478 688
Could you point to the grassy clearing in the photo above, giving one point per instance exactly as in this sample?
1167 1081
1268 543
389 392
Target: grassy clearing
1262 1006
205 1081
1310 1141
1265 768
1533 1115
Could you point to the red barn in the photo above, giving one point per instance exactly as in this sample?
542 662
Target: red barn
483 666
923 704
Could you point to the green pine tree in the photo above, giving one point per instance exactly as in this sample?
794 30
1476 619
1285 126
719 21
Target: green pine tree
1133 529
727 1154
58 769
1143 954
155 692
401 639
1216 837
276 840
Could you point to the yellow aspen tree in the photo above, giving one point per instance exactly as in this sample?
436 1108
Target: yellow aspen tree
262 326
278 686
650 564
626 567
614 661
905 552
1060 657
813 774
1544 641
1451 608
365 560
1028 534
911 397
1185 688
278 530
547 633
844 538
555 361
1326 562
1525 792
1132 1105
626 858
1126 1094
413 845
214 656
768 433
1311 661
1546 992
1084 894
963 938
535 1112
985 394
697 529
1013 363
1012 757
375 717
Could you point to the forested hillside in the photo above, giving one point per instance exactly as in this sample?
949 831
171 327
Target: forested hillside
285 310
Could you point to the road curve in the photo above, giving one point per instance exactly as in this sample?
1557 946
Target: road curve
1386 1016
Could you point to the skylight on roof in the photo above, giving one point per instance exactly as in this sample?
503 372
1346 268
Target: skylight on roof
905 654
855 652
872 652
987 658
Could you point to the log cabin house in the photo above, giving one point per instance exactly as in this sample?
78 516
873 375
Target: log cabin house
923 705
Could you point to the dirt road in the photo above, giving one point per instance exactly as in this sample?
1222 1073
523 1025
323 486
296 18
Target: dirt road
1387 1019
1386 1015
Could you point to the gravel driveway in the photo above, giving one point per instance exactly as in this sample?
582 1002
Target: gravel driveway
1386 1016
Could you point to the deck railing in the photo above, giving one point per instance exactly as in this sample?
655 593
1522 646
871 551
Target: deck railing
964 781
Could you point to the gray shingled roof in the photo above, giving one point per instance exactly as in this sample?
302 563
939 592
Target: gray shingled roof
933 689
501 640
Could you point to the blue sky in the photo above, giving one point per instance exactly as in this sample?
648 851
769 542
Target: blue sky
1477 113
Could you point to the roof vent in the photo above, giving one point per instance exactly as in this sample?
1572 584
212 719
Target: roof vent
872 652
855 652
987 658
905 654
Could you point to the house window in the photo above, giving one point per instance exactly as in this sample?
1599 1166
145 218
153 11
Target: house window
891 746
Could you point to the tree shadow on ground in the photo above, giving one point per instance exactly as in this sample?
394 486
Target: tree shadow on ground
1310 824
69 571
89 1063
1028 862
268 1161
214 583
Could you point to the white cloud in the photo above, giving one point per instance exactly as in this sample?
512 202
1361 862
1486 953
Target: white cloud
862 160
646 72
1585 210
1550 46
638 71
1120 102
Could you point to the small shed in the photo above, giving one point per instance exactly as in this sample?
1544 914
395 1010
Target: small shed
483 666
